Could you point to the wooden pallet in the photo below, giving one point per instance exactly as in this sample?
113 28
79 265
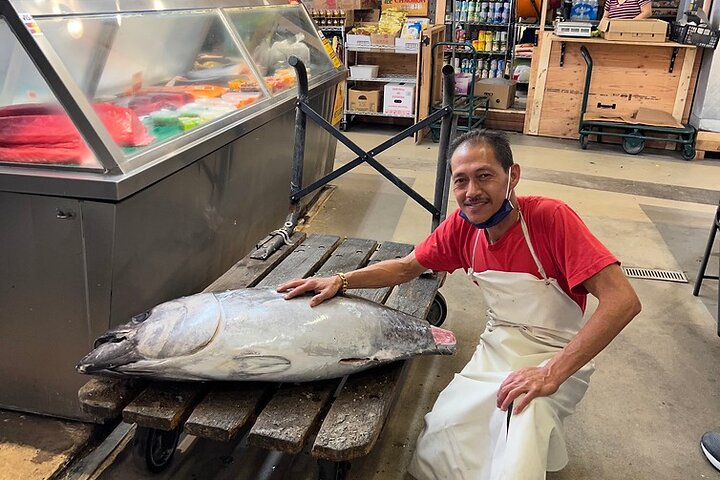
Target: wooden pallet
706 142
345 423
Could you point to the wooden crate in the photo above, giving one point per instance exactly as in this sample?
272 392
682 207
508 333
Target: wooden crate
707 142
625 75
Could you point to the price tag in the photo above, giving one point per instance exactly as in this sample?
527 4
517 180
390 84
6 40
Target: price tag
30 24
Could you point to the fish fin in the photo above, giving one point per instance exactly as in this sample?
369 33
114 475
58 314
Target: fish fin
260 364
358 362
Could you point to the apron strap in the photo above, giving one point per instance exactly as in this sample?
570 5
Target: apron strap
526 234
472 265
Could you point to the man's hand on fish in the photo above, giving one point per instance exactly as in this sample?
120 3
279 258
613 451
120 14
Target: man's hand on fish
533 382
324 287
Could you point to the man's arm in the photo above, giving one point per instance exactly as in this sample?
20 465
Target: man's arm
381 274
618 304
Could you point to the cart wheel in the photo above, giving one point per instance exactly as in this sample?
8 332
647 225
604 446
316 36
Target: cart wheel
438 311
333 470
687 152
583 141
154 449
633 145
343 126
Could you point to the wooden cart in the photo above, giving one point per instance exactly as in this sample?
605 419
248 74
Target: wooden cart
344 416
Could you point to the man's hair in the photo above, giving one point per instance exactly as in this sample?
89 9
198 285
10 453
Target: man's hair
495 139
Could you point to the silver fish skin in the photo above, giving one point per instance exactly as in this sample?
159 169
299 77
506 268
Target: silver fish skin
255 334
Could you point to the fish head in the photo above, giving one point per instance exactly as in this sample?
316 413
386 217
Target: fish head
172 330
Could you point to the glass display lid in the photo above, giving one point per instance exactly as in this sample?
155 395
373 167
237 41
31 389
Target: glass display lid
149 79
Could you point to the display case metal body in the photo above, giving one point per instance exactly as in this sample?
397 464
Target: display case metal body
85 250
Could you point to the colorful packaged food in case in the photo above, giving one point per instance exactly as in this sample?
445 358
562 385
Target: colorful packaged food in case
240 99
204 91
243 85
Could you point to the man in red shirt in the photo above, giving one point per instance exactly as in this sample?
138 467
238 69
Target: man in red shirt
535 262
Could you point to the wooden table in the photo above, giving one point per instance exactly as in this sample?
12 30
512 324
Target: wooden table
346 417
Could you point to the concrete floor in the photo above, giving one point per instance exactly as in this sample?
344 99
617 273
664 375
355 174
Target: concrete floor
656 389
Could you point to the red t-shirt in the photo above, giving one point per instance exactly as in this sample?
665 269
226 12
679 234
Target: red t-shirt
566 248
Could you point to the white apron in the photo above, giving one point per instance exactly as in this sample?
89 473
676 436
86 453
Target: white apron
466 436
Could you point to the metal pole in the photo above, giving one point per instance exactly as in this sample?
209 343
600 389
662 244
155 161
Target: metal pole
588 76
300 125
276 239
441 177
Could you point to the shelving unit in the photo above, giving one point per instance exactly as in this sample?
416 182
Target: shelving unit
395 65
454 12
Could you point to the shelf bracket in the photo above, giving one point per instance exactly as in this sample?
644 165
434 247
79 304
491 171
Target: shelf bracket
562 54
672 59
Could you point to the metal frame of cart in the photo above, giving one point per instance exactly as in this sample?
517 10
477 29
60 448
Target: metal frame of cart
155 447
633 135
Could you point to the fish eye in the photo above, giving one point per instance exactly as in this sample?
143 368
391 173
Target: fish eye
140 317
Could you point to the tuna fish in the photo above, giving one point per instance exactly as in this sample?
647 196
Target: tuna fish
255 334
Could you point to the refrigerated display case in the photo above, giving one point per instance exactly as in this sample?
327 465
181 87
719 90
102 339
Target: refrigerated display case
145 146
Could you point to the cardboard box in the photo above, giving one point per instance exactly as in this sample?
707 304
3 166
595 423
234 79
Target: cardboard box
645 30
341 4
365 99
500 92
354 40
357 4
462 83
399 99
418 8
383 39
407 45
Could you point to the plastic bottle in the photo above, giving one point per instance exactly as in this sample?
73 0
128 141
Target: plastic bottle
593 9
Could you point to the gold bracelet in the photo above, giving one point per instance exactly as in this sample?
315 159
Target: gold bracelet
344 287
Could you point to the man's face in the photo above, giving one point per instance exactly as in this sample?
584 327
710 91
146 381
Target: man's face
478 181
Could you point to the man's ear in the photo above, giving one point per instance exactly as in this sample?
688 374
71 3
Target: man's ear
514 174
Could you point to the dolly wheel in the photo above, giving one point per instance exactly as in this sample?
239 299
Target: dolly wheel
154 449
583 141
687 152
633 145
438 311
333 470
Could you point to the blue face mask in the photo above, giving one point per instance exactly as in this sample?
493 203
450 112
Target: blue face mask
496 217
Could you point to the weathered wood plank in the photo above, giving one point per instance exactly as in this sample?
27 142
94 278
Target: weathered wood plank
294 411
288 419
249 271
356 418
227 409
104 398
353 424
416 297
351 254
304 261
163 406
387 251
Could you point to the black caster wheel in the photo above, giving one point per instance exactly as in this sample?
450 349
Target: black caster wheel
333 470
438 311
688 152
343 127
633 144
154 449
583 141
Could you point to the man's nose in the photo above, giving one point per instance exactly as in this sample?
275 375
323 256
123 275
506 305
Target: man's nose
473 189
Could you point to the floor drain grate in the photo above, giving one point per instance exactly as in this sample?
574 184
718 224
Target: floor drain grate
649 274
